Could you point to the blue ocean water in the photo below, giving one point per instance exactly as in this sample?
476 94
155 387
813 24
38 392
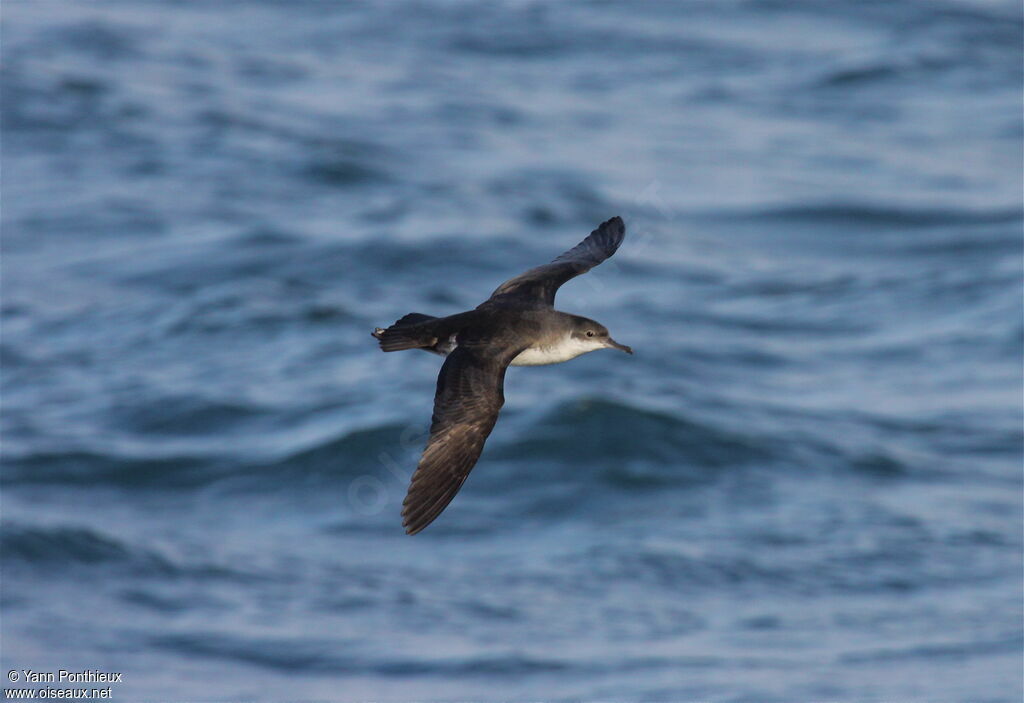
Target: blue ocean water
806 485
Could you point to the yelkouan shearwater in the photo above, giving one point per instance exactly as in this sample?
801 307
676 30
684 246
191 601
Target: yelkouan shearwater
516 326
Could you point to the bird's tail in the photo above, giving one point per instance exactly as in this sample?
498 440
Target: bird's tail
407 333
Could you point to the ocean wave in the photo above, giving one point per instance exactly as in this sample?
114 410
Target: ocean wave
336 458
52 107
342 656
320 157
951 434
347 455
911 560
877 215
956 651
186 414
603 432
790 324
76 467
74 545
859 75
550 197
67 546
345 657
340 165
236 311
102 40
625 446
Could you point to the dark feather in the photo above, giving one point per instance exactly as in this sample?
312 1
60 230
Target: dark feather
543 282
409 332
466 405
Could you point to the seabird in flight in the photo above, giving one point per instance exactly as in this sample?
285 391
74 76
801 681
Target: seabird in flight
516 326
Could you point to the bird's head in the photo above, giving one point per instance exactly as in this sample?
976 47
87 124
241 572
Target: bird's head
591 336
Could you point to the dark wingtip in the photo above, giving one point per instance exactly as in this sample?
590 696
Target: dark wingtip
413 526
612 231
413 522
614 223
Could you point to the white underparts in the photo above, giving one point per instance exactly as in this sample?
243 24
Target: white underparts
567 348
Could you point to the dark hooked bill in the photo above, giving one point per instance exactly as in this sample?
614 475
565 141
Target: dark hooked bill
615 345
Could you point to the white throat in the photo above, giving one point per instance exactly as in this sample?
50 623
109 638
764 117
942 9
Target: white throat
568 347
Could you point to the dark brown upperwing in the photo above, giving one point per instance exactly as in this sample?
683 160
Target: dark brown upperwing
542 282
466 405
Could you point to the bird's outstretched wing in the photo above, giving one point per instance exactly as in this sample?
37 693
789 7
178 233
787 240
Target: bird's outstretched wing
541 283
469 397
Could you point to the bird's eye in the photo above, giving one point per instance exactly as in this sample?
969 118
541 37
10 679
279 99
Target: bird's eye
590 333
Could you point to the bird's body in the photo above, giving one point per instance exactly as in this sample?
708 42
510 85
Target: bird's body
516 326
548 334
